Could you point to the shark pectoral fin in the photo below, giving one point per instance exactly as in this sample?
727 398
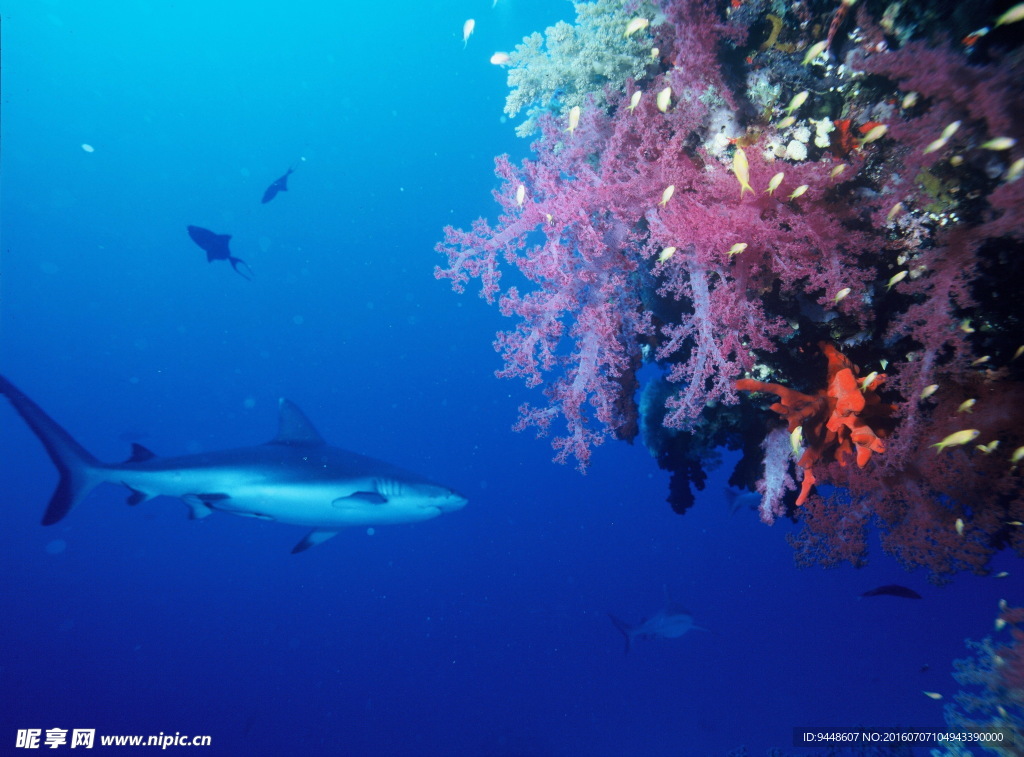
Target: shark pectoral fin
136 497
314 537
201 505
359 498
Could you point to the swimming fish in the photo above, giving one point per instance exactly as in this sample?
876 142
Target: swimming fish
814 51
636 25
574 118
892 590
216 248
281 185
741 167
670 623
957 438
664 99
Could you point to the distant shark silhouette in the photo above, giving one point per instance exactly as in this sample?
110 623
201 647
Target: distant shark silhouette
216 248
669 623
281 185
296 478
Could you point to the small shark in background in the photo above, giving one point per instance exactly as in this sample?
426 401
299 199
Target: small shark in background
216 248
669 623
295 478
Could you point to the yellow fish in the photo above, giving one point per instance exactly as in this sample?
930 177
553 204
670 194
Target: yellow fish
1016 170
895 280
957 438
574 118
665 254
736 249
741 168
799 191
786 122
795 438
932 694
967 406
775 182
1017 455
634 100
894 211
500 59
842 294
999 143
664 99
929 390
814 51
876 133
950 130
667 194
867 381
959 524
1018 352
636 25
1012 16
467 30
520 195
798 99
837 170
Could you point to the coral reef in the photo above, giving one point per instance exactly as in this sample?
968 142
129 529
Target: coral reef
557 71
750 199
992 695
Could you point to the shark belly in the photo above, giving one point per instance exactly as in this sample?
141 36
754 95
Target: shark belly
303 502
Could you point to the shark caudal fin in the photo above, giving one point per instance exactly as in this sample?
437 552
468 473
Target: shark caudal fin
626 630
78 469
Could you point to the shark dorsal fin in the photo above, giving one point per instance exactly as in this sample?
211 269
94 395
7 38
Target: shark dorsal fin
294 427
139 454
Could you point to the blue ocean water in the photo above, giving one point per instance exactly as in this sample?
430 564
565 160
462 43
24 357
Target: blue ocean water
484 632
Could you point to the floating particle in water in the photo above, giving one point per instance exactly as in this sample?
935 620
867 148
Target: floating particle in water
88 147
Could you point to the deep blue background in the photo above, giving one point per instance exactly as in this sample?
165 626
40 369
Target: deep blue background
482 632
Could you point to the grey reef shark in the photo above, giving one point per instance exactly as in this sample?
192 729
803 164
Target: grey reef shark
670 623
296 478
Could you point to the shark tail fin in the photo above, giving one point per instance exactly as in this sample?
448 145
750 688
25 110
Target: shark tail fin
626 630
77 467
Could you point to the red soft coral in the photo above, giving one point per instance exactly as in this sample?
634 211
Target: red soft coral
842 420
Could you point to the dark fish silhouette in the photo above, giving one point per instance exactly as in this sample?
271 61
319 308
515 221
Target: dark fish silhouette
216 247
892 590
281 185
